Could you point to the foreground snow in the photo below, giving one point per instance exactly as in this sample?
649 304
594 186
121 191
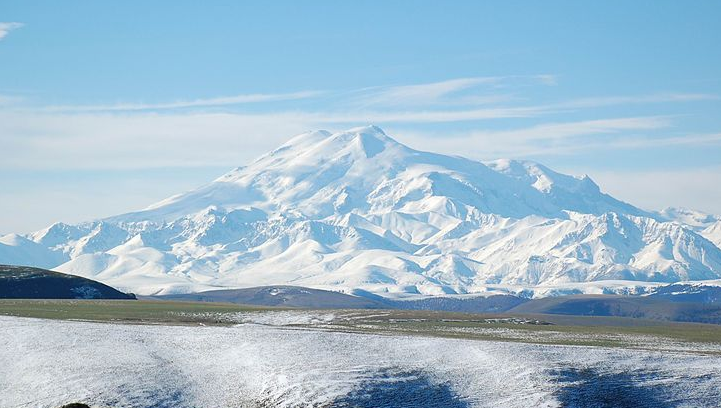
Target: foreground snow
47 363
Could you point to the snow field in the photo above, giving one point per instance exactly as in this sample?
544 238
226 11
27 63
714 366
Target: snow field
47 363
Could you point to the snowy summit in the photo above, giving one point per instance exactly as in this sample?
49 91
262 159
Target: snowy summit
357 210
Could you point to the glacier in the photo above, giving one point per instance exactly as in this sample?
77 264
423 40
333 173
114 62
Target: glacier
356 211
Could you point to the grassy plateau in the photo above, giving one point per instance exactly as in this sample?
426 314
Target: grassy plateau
527 328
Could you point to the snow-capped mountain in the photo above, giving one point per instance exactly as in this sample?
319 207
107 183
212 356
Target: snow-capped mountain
357 210
707 225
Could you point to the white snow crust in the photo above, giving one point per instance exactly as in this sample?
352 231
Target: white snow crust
47 363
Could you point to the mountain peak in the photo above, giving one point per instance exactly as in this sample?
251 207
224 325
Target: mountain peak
357 210
371 131
367 140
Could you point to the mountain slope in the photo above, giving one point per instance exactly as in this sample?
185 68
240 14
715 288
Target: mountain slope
707 225
358 210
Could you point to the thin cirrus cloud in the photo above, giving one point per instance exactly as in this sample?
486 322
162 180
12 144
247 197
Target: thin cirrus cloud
429 94
194 103
556 131
550 138
105 140
422 93
429 116
628 142
422 103
633 100
131 135
5 28
447 91
148 139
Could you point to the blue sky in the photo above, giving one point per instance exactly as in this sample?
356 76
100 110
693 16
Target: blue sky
106 107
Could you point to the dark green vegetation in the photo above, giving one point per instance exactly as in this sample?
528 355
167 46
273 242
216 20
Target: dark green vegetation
655 308
23 282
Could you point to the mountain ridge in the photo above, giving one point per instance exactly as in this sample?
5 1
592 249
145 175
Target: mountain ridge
358 210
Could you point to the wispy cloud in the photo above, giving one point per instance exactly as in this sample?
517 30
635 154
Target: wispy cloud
637 99
429 116
181 133
5 28
194 103
141 139
387 103
547 138
663 141
437 92
150 139
460 99
147 139
557 131
422 93
619 143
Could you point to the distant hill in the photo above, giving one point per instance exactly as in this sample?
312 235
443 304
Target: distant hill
661 306
686 292
288 296
296 296
644 307
24 282
476 304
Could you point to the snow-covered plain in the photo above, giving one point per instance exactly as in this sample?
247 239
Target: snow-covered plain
358 210
46 363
